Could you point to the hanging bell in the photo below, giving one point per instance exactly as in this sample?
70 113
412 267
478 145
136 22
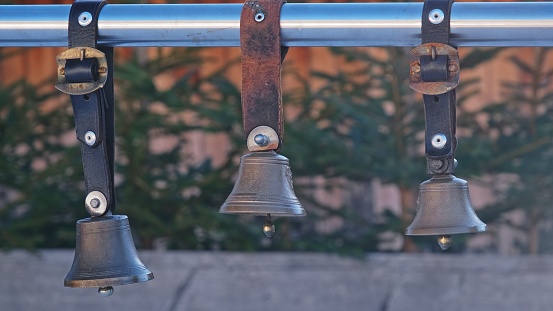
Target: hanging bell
105 255
263 186
444 208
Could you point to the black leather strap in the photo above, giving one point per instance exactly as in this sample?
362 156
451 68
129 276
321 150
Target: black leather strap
94 112
439 109
84 35
438 33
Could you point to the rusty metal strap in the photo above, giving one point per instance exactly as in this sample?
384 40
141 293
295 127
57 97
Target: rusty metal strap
262 56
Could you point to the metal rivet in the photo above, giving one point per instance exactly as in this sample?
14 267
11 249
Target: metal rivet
85 19
259 17
439 140
261 140
90 138
436 16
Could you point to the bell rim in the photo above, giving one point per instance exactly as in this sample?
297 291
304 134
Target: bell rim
115 281
257 213
260 210
445 231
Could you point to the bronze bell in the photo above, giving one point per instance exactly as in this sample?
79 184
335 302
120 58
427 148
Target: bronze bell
105 255
263 187
444 208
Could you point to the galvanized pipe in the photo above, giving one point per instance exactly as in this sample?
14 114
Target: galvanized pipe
303 24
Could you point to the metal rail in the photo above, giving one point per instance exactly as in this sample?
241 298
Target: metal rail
307 24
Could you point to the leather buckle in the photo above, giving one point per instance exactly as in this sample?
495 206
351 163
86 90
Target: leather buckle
434 50
84 87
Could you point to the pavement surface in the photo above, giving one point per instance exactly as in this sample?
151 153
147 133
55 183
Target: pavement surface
289 281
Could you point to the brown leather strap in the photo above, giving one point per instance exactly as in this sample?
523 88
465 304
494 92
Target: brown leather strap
262 57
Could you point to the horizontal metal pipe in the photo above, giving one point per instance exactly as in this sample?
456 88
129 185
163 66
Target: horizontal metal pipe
303 24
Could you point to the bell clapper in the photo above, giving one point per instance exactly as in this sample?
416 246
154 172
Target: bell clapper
445 241
105 291
269 227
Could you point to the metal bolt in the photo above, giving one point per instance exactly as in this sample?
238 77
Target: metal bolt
85 19
416 68
439 140
436 164
433 52
259 17
261 140
436 16
94 203
90 138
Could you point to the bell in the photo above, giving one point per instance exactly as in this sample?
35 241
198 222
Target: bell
263 187
105 255
444 208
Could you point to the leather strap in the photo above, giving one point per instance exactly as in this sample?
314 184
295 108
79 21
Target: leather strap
438 33
262 56
439 109
94 112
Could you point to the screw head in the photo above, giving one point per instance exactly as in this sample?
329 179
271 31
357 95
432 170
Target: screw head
94 203
436 16
90 138
85 19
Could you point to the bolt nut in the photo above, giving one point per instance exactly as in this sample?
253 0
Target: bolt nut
436 164
85 19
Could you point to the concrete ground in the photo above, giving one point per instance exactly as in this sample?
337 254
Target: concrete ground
289 281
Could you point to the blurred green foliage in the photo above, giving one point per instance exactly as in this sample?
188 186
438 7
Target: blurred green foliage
364 123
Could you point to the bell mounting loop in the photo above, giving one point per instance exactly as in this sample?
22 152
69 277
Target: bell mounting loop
86 73
434 72
434 50
98 72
